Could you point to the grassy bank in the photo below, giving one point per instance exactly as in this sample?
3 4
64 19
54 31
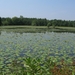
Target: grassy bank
36 29
13 27
21 27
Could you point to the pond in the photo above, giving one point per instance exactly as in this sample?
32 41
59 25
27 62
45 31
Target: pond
15 45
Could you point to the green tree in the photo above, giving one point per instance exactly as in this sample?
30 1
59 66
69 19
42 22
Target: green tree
16 21
33 23
8 21
5 22
45 22
54 23
74 24
0 21
49 24
22 22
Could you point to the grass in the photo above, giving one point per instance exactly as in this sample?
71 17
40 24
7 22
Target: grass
21 27
9 27
33 66
36 28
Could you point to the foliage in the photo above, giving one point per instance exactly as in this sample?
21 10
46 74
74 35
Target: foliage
36 21
0 21
54 23
32 66
36 53
49 24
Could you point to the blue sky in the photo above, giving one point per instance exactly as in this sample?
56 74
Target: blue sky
50 9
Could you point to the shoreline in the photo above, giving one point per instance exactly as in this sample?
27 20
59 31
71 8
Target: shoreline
36 29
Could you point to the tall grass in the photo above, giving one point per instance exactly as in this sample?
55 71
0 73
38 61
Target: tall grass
32 66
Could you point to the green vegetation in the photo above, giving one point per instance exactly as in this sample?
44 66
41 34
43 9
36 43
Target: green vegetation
49 24
37 53
36 29
32 66
0 21
35 22
23 52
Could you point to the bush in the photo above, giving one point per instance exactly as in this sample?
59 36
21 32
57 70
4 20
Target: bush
49 24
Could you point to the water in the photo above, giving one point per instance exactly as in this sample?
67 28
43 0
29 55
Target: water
39 45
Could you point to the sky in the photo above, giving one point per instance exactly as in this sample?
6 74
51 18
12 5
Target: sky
49 9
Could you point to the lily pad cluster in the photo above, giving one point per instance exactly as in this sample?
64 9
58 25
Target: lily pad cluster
17 46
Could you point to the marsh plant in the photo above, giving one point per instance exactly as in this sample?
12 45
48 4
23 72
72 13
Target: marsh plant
37 53
33 66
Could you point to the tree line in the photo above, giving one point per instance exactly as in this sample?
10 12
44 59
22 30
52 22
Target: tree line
35 22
